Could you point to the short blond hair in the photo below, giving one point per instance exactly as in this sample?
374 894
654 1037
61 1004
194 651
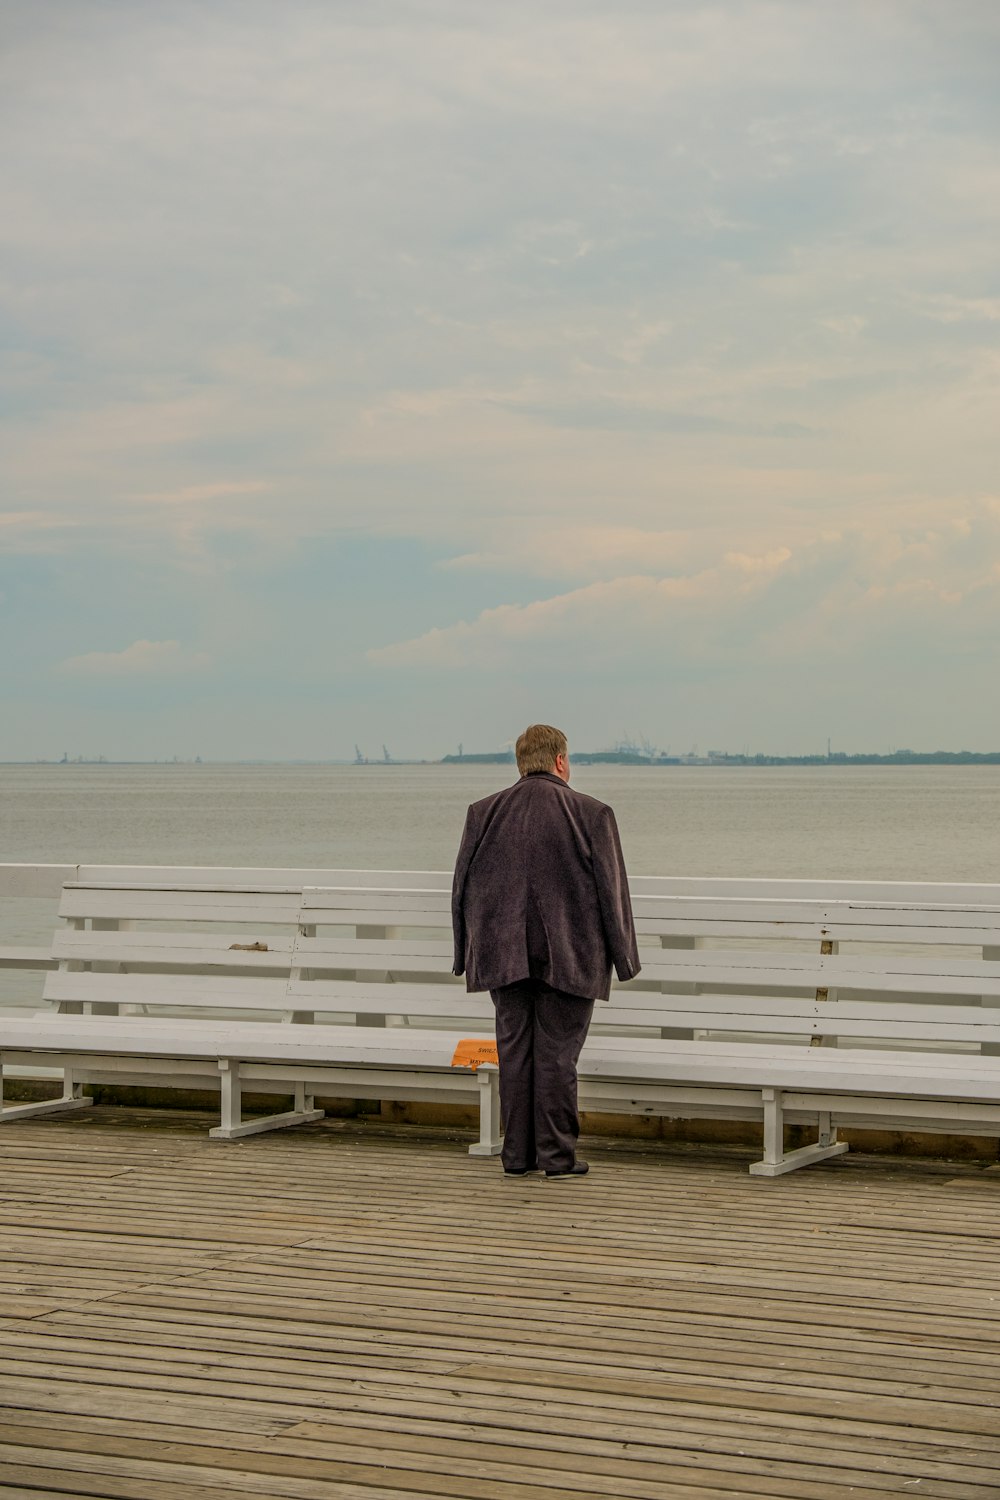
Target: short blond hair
537 748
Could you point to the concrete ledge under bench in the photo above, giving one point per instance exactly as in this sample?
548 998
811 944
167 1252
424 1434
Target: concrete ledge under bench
768 1001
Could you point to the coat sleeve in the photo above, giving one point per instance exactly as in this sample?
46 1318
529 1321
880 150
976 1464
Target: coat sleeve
467 848
612 892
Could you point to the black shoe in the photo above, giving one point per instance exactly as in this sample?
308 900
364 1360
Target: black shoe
578 1169
519 1171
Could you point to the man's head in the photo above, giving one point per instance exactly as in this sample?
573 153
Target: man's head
542 748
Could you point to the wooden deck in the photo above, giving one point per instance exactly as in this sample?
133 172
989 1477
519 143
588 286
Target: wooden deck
362 1312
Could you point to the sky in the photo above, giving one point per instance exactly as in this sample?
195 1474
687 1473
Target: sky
400 372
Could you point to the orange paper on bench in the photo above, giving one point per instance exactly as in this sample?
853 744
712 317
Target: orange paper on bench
472 1051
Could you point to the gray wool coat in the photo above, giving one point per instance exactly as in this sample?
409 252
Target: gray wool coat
540 891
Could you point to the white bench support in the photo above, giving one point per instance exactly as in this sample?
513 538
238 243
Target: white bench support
488 1078
776 1162
234 1127
72 1098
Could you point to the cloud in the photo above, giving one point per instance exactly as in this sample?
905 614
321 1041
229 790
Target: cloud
947 308
31 520
576 551
843 593
660 336
37 531
195 494
141 659
602 620
614 415
664 269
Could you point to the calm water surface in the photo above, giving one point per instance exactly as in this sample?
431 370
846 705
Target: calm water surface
892 823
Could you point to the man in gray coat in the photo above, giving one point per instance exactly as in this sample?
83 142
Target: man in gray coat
541 913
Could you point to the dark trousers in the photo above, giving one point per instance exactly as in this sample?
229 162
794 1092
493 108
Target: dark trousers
540 1033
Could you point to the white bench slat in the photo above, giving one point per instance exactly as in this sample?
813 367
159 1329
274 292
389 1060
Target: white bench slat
764 1014
740 967
960 975
840 928
222 990
757 1012
874 1072
20 956
829 973
824 1023
963 894
79 902
773 900
393 998
228 950
805 928
866 916
259 1041
749 1065
184 991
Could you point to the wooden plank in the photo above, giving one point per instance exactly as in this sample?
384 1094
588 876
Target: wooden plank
542 1418
165 904
912 1075
209 949
225 991
16 1305
220 992
447 1473
434 998
312 1444
328 1454
14 878
50 1398
421 1267
80 1482
305 1475
637 1333
840 1446
429 1345
261 877
22 956
409 1314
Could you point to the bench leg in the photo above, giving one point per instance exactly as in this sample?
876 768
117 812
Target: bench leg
776 1162
488 1144
233 1127
72 1098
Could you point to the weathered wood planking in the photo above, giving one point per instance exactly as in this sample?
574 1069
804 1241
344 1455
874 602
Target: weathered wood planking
366 1314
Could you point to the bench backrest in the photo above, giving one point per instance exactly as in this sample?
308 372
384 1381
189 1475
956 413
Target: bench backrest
168 946
884 972
750 965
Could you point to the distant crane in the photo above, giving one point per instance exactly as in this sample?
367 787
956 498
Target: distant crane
359 759
640 747
386 756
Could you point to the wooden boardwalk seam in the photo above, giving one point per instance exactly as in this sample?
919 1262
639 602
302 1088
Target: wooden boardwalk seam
364 1312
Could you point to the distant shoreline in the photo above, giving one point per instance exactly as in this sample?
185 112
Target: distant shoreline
581 758
865 758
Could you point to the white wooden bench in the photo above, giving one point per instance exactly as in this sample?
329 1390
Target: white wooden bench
180 955
778 1007
800 1011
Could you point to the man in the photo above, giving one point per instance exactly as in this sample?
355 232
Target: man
541 912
